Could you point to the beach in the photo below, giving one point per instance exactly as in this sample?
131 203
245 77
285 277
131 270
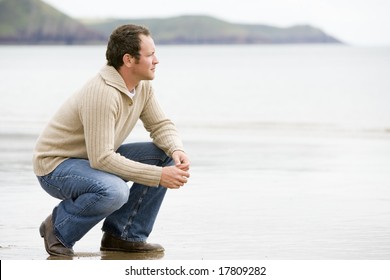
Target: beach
279 170
304 195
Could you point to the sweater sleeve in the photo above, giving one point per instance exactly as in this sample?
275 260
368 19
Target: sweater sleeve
162 130
98 113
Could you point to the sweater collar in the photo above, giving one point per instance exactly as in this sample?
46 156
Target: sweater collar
112 77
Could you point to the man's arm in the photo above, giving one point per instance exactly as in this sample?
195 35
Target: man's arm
162 130
97 113
165 136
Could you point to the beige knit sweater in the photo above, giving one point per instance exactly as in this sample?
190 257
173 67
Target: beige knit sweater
94 122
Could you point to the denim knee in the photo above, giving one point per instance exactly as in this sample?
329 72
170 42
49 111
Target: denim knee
114 196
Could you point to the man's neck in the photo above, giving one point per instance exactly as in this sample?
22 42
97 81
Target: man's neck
130 83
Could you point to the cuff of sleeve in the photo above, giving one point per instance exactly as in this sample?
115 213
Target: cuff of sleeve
174 150
150 177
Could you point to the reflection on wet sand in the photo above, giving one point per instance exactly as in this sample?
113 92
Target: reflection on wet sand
111 255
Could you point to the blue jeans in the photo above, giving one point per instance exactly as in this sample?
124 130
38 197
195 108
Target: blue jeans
89 196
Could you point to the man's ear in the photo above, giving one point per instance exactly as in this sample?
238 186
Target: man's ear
128 60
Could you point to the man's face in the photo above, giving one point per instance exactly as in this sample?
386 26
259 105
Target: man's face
146 66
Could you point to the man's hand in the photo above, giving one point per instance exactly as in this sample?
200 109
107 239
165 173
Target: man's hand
181 160
174 177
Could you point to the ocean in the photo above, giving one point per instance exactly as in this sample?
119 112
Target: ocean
289 146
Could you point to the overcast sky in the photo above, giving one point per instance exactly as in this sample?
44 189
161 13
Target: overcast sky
357 22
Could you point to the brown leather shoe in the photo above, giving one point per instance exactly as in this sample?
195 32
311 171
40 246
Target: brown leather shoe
112 243
52 245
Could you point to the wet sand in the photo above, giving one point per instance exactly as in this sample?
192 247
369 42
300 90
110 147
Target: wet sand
268 194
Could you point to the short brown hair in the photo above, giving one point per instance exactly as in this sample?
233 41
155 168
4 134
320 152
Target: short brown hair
124 40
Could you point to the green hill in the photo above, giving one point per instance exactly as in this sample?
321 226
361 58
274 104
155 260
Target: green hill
35 22
209 30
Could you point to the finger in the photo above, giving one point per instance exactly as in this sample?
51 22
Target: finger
182 180
184 174
181 172
176 159
174 185
184 167
185 161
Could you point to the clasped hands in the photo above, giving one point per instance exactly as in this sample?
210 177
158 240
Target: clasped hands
174 177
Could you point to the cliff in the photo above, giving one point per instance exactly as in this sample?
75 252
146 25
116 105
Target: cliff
35 22
209 30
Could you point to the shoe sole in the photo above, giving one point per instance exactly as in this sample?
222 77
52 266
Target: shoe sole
130 251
